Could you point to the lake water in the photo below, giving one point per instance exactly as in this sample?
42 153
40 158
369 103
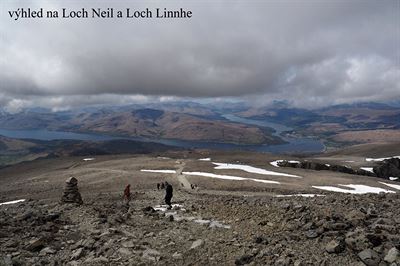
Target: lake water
294 145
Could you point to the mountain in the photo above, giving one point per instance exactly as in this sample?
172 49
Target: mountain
145 122
13 151
153 123
340 124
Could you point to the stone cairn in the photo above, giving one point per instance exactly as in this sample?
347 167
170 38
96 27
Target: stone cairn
71 192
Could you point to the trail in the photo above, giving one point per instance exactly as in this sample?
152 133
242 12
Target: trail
181 177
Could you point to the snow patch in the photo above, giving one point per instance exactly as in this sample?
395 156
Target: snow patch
355 189
368 169
300 195
88 159
205 159
12 202
159 171
228 177
275 163
392 178
178 207
391 185
212 223
250 169
164 208
380 159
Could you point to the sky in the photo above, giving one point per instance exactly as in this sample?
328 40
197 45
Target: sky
307 53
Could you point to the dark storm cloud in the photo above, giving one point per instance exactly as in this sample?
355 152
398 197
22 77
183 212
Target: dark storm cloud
305 51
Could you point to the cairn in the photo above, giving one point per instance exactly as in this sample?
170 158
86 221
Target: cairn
71 192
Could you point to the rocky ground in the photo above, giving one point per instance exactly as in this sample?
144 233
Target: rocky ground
204 230
222 222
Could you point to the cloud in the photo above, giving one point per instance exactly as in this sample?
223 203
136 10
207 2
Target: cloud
302 52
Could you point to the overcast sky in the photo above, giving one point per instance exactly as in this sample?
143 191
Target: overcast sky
310 53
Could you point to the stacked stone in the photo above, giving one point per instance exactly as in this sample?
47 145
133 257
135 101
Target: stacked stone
71 192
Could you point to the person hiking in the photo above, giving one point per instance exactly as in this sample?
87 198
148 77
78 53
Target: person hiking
127 194
168 194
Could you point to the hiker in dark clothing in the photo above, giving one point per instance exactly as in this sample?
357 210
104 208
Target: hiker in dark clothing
168 194
127 194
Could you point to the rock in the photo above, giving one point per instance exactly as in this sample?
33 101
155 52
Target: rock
36 244
128 244
125 252
261 240
77 254
71 192
335 246
369 257
177 256
25 216
148 209
245 259
47 250
392 256
283 262
311 234
97 261
197 243
298 263
88 243
151 254
388 168
357 241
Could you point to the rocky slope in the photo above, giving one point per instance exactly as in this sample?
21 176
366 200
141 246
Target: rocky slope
330 230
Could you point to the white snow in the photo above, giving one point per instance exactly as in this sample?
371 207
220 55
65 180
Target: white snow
12 202
327 164
300 195
164 208
212 223
228 177
380 159
368 169
250 169
205 159
355 189
275 163
88 159
349 161
178 207
391 185
392 178
159 171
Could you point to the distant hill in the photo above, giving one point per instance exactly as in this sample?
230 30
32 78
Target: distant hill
145 122
347 123
14 151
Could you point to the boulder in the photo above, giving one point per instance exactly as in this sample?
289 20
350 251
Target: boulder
392 256
36 244
335 246
369 257
245 259
197 243
388 168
